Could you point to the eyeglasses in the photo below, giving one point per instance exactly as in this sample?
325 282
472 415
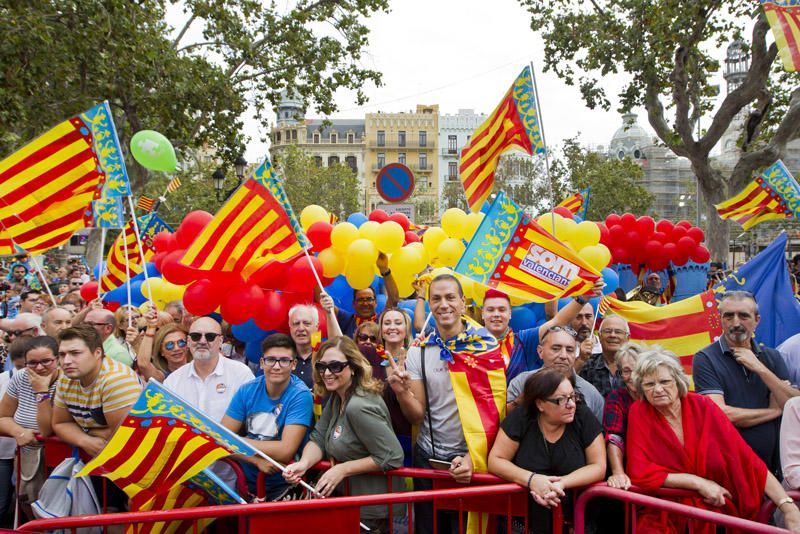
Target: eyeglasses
651 385
365 300
566 329
17 333
560 401
333 367
270 361
626 372
46 362
614 331
170 345
210 336
366 337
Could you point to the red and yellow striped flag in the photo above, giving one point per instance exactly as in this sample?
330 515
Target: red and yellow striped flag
512 253
577 203
784 20
513 124
146 204
115 272
173 185
7 247
683 327
249 231
47 187
773 195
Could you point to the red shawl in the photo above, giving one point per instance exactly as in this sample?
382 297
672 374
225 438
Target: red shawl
713 449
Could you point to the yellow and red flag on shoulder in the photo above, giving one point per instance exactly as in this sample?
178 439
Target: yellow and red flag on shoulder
47 187
250 231
773 195
784 20
683 327
512 253
514 123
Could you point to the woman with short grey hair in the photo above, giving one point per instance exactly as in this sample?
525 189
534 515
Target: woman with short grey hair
649 362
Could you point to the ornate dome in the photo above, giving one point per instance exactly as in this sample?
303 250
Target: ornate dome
629 140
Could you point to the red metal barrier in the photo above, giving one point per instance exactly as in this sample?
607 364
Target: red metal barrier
634 497
769 507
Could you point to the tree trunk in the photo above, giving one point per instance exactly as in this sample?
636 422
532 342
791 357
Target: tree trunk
714 190
92 254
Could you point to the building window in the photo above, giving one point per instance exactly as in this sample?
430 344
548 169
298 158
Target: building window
351 162
294 135
381 160
351 138
401 138
381 138
423 139
334 138
401 158
333 160
316 138
452 141
277 137
423 161
452 170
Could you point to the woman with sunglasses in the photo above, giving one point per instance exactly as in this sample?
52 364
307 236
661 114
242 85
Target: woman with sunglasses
354 432
26 410
551 445
163 350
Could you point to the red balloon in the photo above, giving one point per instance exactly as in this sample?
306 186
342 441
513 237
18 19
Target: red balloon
677 233
201 297
401 219
191 226
632 240
653 249
686 245
664 226
242 303
88 291
670 250
223 282
620 255
616 235
700 255
612 220
564 212
661 237
323 320
604 233
685 224
111 306
680 259
158 258
645 226
271 276
164 242
628 221
274 312
658 264
173 271
412 237
697 235
300 275
320 235
378 216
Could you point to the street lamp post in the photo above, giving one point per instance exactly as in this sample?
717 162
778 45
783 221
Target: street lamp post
219 182
239 166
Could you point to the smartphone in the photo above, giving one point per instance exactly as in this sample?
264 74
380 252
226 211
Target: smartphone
440 464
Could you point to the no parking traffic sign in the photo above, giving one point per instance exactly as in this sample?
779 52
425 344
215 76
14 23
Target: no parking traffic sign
395 182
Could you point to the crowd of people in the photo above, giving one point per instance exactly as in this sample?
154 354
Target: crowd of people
377 394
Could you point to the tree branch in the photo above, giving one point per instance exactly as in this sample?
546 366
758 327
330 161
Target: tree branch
183 31
195 45
680 96
655 115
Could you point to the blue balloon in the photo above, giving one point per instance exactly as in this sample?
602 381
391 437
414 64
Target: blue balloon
538 309
99 269
248 332
563 302
522 318
380 304
253 351
341 293
611 278
357 219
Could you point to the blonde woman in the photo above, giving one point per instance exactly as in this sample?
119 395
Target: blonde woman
395 337
163 349
355 431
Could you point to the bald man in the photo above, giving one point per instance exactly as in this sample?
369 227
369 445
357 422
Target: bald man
104 322
55 320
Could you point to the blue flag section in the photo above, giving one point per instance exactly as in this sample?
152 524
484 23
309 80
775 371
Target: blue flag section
767 277
108 151
108 212
217 491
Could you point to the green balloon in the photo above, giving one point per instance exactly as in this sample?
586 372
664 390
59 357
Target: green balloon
153 151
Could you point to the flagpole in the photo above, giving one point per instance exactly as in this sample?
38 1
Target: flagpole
141 251
127 274
316 276
44 280
424 326
546 151
102 270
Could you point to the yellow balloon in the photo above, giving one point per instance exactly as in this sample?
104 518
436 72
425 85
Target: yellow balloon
359 277
332 262
478 293
369 230
598 256
454 222
423 252
439 271
587 233
431 239
545 220
361 253
407 262
342 235
404 287
389 236
565 229
467 285
473 221
450 251
312 214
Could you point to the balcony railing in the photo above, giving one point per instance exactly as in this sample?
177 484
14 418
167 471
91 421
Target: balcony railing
393 144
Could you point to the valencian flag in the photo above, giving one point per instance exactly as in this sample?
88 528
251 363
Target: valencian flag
115 274
266 176
47 187
773 195
683 327
146 203
784 20
108 212
205 488
577 203
249 232
162 443
512 253
513 124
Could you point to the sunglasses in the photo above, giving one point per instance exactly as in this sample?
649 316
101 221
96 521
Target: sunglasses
567 329
17 333
197 336
333 367
365 337
170 345
560 401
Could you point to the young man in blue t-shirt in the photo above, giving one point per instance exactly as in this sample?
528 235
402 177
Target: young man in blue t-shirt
276 412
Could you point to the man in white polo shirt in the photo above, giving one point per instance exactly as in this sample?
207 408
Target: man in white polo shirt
210 380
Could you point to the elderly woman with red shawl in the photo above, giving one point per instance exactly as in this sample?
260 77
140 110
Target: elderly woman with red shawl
678 439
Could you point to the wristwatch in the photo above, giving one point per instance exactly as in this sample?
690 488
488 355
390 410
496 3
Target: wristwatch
580 300
41 397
